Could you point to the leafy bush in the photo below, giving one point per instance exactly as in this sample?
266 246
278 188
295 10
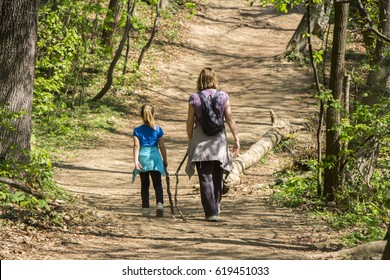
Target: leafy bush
38 175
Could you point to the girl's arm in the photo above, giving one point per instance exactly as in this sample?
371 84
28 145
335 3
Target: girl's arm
190 121
163 150
137 164
232 126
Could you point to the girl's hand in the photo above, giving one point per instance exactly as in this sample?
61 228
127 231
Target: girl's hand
137 165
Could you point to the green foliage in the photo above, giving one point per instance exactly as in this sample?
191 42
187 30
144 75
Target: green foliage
282 6
296 191
360 211
38 175
191 6
7 118
80 126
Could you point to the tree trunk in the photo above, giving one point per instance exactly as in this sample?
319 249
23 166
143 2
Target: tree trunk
378 83
386 252
333 117
111 22
319 20
379 76
163 4
110 74
18 36
153 34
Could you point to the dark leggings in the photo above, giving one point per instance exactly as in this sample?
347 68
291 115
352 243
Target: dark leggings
210 176
145 183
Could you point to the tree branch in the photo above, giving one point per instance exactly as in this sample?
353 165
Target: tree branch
365 15
21 186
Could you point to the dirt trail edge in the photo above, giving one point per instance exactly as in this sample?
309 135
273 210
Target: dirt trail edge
240 43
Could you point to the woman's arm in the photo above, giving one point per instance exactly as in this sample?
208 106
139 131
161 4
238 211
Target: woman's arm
136 146
163 150
232 126
190 121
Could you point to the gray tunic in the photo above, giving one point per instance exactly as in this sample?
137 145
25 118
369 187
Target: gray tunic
208 148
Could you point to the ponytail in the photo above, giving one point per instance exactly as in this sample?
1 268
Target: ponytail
147 115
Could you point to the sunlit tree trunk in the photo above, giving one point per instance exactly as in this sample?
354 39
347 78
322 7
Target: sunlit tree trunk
110 74
379 76
18 36
111 22
378 84
386 253
319 20
333 116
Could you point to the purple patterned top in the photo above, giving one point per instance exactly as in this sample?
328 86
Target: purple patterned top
195 101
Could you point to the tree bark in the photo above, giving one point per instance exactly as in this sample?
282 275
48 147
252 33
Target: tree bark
379 76
21 186
386 252
333 117
110 74
279 131
153 34
111 22
378 83
319 20
18 36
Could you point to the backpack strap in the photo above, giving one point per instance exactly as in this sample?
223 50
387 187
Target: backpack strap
203 97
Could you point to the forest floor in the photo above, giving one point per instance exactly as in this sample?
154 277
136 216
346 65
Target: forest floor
242 44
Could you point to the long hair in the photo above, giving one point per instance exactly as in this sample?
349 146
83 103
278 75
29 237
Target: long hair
147 115
207 79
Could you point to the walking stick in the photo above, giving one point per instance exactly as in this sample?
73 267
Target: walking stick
177 184
168 180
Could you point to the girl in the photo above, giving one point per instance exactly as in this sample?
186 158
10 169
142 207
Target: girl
148 140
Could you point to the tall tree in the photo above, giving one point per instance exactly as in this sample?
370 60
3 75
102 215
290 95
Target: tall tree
111 22
333 118
318 21
130 11
376 37
18 36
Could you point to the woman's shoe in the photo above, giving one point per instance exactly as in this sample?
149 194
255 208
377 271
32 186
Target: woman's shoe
212 218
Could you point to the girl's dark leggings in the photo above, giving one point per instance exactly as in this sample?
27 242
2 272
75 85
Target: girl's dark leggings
145 183
210 176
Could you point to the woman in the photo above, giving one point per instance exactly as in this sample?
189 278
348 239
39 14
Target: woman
209 154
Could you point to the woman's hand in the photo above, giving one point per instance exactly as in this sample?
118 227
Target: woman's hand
236 148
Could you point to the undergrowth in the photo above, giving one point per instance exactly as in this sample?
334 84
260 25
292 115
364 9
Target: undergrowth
361 214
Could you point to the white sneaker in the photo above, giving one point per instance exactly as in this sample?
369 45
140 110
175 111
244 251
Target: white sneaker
159 210
213 218
146 212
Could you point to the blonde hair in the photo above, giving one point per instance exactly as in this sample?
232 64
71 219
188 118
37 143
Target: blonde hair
207 79
147 115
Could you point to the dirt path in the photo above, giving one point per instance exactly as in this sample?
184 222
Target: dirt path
240 43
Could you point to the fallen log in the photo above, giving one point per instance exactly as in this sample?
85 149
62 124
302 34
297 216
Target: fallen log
374 248
21 186
280 130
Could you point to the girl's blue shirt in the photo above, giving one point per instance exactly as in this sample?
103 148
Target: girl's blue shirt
147 136
149 155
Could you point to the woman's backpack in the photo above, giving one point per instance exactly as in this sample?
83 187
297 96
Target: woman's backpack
212 117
